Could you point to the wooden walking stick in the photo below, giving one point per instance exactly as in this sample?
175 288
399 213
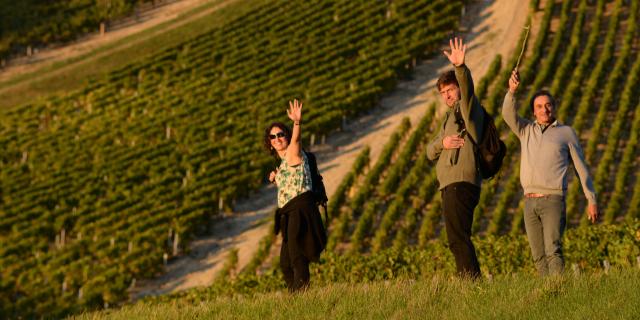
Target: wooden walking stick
524 44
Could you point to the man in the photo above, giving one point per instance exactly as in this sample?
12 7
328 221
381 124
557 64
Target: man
456 168
547 149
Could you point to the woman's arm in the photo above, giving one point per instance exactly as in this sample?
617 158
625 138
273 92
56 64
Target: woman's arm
293 157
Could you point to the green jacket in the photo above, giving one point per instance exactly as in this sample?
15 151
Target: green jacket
465 170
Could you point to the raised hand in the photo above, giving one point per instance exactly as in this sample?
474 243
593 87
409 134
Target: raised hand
295 110
294 156
458 49
514 81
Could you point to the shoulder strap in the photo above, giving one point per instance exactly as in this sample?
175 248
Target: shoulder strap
444 123
461 124
313 166
475 144
460 120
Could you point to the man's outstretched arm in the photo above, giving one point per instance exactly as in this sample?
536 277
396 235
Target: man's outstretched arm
509 111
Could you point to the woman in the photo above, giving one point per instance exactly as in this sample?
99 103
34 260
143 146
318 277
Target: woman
297 215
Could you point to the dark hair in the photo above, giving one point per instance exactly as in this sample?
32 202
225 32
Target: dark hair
267 140
541 93
446 78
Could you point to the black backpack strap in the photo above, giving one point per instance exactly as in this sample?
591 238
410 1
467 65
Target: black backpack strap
462 125
460 122
475 144
320 199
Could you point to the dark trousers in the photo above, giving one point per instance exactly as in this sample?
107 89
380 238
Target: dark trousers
458 202
303 239
295 270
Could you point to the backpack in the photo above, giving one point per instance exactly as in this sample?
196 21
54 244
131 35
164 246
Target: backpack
491 150
317 186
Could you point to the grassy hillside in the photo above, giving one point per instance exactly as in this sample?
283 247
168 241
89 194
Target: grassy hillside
586 250
517 296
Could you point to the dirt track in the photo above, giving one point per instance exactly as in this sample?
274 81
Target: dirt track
489 27
87 44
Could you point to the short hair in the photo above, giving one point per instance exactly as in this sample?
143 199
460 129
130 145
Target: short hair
540 93
267 139
446 78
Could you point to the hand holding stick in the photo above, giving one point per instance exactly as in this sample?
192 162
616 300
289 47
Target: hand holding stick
514 81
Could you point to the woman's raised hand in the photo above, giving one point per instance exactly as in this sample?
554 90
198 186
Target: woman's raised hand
458 50
293 150
295 110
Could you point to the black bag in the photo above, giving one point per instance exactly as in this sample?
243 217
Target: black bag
491 150
317 186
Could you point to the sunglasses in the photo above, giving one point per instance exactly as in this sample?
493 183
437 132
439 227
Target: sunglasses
277 135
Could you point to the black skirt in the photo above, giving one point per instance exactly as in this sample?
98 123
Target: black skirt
302 227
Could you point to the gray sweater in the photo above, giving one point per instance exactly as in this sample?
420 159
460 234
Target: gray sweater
545 156
465 170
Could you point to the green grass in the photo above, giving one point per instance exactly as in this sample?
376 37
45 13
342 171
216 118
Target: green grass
518 296
41 84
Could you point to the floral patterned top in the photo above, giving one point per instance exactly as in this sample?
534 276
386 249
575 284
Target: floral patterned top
292 181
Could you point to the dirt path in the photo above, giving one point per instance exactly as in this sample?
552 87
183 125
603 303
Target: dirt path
148 19
208 254
491 27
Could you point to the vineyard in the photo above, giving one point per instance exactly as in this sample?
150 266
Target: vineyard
30 24
386 215
122 174
102 185
395 202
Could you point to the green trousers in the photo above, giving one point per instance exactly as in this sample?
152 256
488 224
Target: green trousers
545 220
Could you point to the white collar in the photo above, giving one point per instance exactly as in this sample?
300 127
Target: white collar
553 124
